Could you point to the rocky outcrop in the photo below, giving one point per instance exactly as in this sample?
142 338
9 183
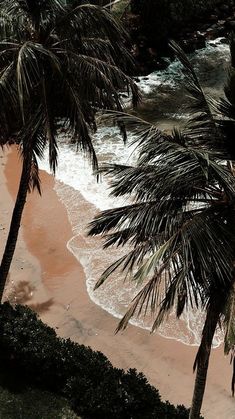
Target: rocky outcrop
190 23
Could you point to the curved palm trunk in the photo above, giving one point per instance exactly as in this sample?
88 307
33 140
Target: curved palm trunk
15 222
199 389
202 360
233 378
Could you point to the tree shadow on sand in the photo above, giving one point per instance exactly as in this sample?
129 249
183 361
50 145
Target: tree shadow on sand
22 293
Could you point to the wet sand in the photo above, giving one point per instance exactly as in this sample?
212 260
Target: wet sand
49 278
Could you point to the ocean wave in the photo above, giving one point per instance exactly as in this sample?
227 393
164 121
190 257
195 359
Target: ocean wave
82 196
216 52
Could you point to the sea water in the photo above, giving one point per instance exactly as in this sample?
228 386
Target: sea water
77 187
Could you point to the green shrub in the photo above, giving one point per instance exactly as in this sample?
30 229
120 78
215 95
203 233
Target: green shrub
84 377
33 404
117 395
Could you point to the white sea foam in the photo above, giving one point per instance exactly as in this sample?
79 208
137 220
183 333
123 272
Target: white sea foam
216 50
76 186
166 77
75 170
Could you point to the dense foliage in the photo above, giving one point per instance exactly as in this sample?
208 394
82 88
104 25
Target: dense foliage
95 389
181 8
33 403
164 19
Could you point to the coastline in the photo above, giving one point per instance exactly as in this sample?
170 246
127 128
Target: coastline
58 293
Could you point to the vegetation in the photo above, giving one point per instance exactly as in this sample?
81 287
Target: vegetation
175 12
32 355
57 63
179 225
162 20
64 63
32 403
118 9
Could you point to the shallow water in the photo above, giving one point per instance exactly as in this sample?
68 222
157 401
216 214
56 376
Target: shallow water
76 186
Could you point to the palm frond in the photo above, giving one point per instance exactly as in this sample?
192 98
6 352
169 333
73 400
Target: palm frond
77 122
26 69
166 231
202 126
34 181
50 130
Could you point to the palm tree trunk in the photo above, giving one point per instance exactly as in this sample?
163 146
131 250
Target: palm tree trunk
199 389
233 377
202 360
15 222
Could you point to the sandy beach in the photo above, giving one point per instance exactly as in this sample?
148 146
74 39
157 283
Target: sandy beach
46 276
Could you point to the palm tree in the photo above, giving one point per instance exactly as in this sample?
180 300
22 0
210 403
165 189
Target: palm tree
179 224
58 64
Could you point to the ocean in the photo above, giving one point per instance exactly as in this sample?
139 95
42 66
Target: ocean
164 103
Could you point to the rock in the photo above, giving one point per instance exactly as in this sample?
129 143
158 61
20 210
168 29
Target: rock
192 35
221 22
215 31
230 24
213 18
204 27
188 45
162 64
201 41
224 8
224 40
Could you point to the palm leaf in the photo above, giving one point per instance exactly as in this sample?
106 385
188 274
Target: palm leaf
34 182
202 125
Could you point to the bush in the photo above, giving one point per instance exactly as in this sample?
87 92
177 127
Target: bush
33 404
117 395
93 387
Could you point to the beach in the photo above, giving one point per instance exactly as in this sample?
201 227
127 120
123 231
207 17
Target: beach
46 276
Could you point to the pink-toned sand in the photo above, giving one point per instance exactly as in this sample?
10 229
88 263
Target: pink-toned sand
45 275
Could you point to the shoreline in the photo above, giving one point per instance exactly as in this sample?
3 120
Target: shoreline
55 287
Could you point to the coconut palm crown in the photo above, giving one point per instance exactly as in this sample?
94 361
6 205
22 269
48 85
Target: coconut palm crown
179 222
58 64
